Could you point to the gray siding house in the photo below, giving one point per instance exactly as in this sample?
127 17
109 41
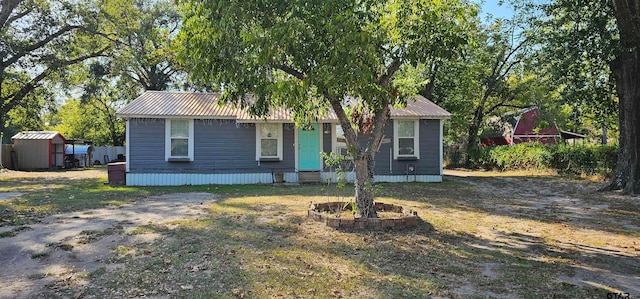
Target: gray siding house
186 138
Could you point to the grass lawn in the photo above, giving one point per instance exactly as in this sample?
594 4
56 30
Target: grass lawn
479 237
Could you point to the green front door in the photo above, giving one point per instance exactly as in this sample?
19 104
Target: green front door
309 148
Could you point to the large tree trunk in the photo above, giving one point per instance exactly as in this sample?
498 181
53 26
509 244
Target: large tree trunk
626 69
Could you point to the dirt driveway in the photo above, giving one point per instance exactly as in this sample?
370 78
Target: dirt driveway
67 248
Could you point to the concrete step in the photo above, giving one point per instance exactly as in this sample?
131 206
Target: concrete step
309 177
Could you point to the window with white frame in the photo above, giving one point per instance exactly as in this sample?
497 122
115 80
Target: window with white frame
268 141
406 139
179 140
341 142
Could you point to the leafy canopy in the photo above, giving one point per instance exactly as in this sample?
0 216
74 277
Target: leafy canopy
294 53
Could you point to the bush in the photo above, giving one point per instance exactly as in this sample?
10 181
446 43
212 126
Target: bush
529 155
585 159
574 159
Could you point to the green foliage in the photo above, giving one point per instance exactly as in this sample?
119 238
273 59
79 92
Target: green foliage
83 120
528 155
490 78
310 56
144 33
295 54
336 162
577 42
586 159
564 158
39 40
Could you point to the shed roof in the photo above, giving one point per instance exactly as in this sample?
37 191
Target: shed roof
204 105
30 135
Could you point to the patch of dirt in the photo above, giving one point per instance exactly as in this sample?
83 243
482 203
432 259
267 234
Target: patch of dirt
73 174
552 219
65 248
9 195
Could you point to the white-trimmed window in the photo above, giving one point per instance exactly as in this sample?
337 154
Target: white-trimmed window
269 141
405 141
179 140
341 142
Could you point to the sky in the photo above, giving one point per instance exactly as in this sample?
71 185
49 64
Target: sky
497 11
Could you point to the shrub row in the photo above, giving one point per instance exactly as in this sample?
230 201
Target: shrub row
574 159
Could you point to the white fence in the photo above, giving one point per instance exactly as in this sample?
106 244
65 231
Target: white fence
105 154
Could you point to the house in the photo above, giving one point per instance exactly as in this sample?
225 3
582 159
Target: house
186 138
37 150
526 125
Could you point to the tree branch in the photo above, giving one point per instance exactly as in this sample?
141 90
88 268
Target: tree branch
291 71
13 99
502 104
385 79
7 8
37 45
18 16
349 134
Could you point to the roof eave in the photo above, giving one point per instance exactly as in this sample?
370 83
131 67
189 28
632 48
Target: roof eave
421 117
164 116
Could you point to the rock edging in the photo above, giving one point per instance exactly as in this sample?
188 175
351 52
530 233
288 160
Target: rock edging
406 219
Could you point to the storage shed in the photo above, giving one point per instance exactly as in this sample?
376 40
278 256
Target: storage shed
38 150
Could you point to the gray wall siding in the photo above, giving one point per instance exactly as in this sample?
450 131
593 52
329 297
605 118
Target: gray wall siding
227 147
146 148
219 147
429 162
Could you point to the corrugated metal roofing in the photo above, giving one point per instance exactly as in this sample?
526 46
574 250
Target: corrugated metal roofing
420 107
161 103
78 149
30 135
204 105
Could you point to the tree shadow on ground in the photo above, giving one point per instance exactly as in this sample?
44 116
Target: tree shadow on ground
548 200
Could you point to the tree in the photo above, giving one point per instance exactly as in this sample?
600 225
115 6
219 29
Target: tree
103 95
141 59
575 46
38 40
143 32
310 56
489 78
78 120
609 32
626 70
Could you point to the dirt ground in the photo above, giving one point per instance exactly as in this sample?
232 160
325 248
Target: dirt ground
93 234
577 217
68 174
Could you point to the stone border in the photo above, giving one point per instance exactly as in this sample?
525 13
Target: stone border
319 212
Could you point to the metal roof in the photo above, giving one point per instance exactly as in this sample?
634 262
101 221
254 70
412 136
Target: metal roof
420 107
204 105
78 149
30 135
162 103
